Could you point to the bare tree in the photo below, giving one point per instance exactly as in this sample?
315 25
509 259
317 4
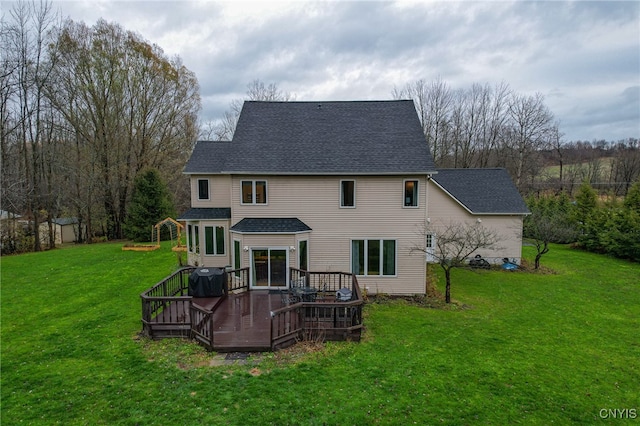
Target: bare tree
27 141
128 106
530 122
454 243
626 164
224 128
550 222
433 102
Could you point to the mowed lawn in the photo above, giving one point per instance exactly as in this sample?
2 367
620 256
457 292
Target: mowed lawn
561 348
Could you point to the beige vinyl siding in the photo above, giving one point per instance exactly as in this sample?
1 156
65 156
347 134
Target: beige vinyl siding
444 210
219 191
379 214
213 261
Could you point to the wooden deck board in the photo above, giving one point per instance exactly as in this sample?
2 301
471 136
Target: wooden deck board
242 322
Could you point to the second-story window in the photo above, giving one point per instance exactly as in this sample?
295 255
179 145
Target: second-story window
411 193
203 189
347 193
254 191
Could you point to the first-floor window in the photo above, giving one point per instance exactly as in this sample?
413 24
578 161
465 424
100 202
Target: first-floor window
373 257
236 256
214 240
303 260
196 238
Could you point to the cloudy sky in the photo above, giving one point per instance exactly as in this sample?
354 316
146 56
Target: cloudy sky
584 57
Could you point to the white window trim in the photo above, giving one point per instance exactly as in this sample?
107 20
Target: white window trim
417 191
215 240
354 194
208 189
253 192
194 238
366 246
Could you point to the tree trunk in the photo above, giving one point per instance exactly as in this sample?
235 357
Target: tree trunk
447 294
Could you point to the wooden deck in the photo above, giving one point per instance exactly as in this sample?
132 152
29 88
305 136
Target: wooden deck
248 321
243 321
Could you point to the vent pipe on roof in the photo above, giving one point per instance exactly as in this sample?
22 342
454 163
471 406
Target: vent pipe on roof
319 106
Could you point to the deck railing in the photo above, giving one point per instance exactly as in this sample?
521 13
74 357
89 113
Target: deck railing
167 309
202 325
326 320
166 304
238 280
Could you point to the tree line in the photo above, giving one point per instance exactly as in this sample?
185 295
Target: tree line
86 109
83 110
495 126
608 225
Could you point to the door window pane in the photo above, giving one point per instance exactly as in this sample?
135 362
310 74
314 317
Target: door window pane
261 268
278 267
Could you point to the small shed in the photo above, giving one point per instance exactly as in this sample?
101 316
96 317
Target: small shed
65 229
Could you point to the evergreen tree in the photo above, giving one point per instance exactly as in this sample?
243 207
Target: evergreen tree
589 218
150 203
632 200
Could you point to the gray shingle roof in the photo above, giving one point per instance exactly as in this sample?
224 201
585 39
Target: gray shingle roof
356 137
482 191
63 221
206 213
208 157
289 225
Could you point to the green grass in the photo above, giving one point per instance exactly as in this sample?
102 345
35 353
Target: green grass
531 349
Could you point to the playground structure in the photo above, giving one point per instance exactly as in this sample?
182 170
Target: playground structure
175 231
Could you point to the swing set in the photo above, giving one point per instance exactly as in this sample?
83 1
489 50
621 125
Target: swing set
175 232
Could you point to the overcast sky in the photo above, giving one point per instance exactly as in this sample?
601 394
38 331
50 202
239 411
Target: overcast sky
584 57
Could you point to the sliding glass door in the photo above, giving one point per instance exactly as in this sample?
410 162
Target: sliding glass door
269 267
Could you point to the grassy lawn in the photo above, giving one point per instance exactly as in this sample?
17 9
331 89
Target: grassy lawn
529 349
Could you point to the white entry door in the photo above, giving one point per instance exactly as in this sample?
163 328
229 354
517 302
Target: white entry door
430 247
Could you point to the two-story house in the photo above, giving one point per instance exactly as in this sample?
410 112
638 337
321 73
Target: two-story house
319 186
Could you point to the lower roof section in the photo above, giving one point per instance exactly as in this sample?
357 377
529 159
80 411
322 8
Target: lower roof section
206 213
287 225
